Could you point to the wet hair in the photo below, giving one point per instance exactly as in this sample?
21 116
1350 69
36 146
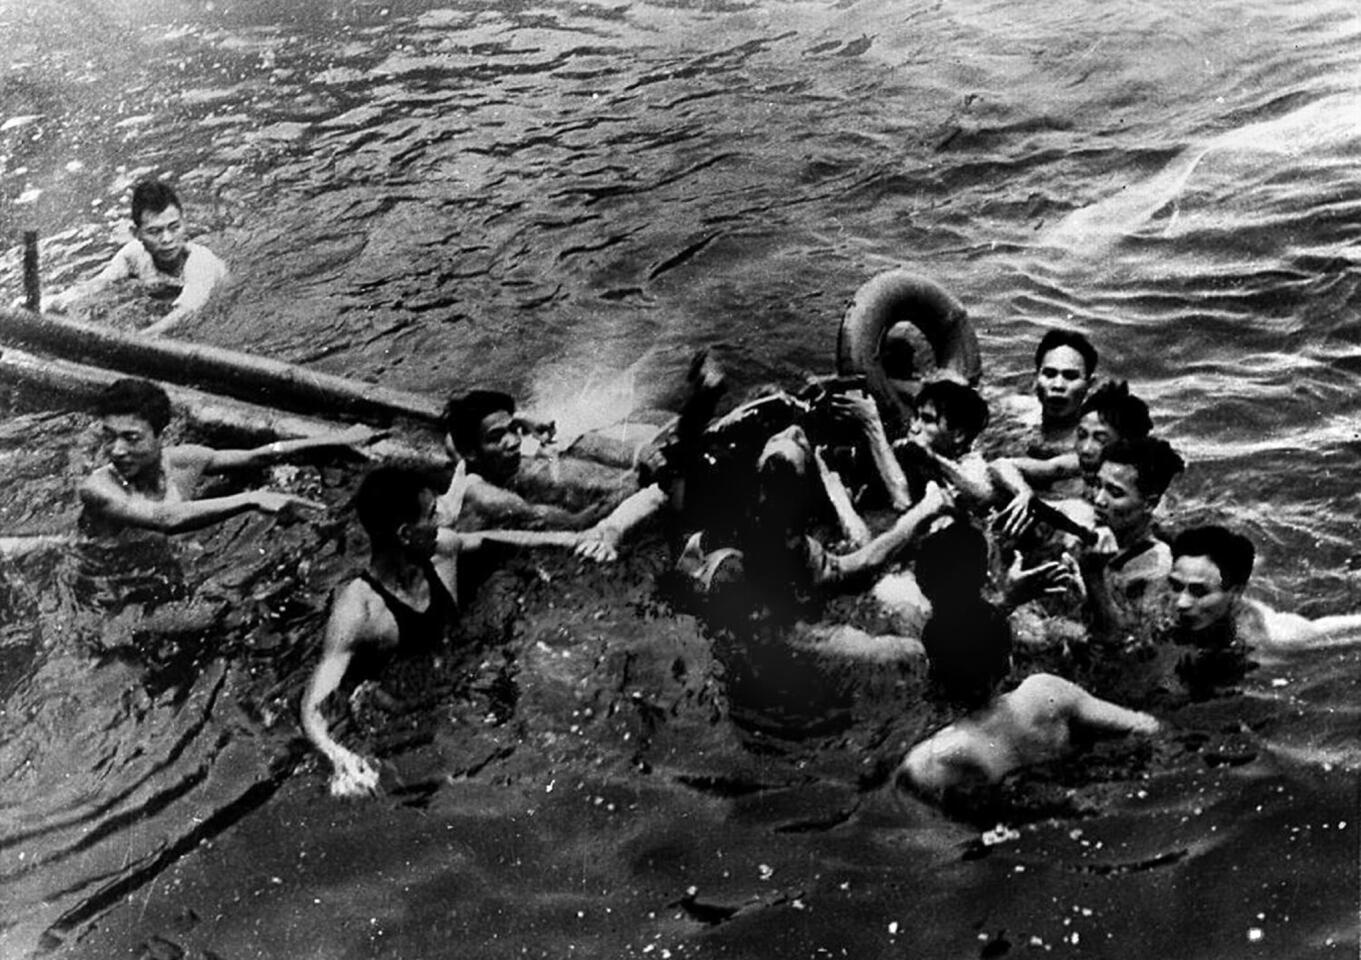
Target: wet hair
389 497
1055 338
463 416
1154 461
130 397
152 196
1231 552
952 563
967 639
959 406
968 648
1125 413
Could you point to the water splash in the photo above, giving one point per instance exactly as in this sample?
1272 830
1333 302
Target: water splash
580 400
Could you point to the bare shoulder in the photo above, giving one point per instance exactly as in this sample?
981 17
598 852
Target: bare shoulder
359 616
1045 694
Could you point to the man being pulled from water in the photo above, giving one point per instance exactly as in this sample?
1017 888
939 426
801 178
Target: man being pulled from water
160 257
404 603
147 484
777 562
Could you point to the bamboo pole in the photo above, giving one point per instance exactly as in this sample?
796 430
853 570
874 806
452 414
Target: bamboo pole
205 411
237 374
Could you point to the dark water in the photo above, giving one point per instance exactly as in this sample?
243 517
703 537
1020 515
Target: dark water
565 200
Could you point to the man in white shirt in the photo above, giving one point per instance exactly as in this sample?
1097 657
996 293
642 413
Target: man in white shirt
160 258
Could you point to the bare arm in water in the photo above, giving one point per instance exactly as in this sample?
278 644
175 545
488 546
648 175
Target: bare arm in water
1273 632
103 496
358 616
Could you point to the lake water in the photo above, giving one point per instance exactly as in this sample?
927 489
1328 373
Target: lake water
565 200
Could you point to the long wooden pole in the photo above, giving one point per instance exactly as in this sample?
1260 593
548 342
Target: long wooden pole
209 412
231 372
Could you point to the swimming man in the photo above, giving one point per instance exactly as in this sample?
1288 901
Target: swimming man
150 485
402 605
1029 725
1210 570
160 258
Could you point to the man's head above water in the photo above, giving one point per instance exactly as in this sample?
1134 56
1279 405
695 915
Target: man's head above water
133 415
1109 413
480 427
1210 568
1130 483
948 417
396 508
158 221
1065 362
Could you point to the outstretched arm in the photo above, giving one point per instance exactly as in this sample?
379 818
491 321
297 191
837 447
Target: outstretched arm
1044 695
1101 714
177 517
494 505
118 268
1276 632
216 461
352 775
601 542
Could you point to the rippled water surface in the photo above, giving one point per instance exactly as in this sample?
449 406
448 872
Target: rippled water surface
565 199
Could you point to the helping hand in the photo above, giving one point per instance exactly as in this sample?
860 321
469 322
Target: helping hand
360 435
1016 518
1053 578
600 544
287 506
855 406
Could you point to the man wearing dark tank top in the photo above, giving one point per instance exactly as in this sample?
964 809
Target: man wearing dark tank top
404 603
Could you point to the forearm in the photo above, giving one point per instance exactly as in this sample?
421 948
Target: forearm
853 526
890 471
1103 616
634 510
325 681
167 322
879 551
190 515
